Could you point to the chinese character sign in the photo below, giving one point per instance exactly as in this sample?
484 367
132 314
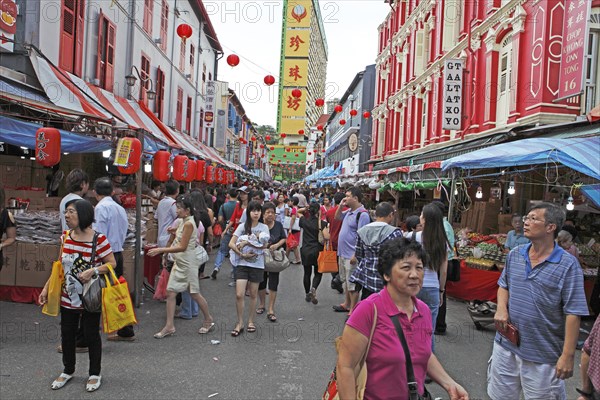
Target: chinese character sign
295 72
209 103
573 47
297 43
453 91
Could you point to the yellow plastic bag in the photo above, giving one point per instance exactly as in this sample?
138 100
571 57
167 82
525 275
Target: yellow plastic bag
57 277
117 307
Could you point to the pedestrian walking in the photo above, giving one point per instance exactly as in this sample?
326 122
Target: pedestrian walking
184 274
111 220
248 242
311 225
79 244
334 230
370 238
540 304
294 232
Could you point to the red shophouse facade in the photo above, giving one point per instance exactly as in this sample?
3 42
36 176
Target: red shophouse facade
511 71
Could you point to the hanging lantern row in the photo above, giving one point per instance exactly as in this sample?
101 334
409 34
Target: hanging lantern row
188 170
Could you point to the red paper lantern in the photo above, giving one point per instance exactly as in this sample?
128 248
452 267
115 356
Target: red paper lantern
367 114
253 138
320 127
319 102
268 137
342 122
200 170
353 112
323 151
182 168
273 148
309 153
184 31
301 150
135 156
262 146
283 135
297 155
301 132
233 60
160 165
47 147
210 174
297 93
220 175
338 108
285 156
269 80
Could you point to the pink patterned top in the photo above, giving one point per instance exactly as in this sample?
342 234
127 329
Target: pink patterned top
592 348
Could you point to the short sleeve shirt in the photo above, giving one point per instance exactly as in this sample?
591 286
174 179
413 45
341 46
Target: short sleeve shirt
386 363
592 348
539 299
260 234
166 213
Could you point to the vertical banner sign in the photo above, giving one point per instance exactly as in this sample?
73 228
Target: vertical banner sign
8 24
575 24
209 104
122 154
453 92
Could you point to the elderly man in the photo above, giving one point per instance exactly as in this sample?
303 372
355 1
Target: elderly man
540 304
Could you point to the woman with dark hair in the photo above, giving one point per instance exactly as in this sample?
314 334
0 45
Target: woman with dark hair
310 250
219 200
281 209
326 206
79 243
202 215
276 241
7 226
401 266
291 232
184 275
434 241
208 200
413 225
247 244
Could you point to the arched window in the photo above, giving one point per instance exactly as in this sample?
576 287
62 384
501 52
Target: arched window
504 81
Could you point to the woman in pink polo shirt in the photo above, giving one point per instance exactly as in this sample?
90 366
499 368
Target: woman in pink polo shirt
401 266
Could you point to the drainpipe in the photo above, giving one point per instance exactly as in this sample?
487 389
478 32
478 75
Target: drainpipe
130 41
470 72
198 115
172 62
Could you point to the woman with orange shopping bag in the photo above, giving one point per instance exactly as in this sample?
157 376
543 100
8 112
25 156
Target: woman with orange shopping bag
311 225
184 275
80 245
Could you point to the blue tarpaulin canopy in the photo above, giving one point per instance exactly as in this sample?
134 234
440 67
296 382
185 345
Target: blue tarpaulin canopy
21 133
592 192
580 154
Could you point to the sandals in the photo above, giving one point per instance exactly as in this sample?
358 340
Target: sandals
340 308
251 329
272 317
163 334
204 330
260 310
61 381
92 387
237 332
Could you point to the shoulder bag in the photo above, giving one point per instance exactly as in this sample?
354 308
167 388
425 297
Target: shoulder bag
360 372
92 290
201 255
276 260
413 386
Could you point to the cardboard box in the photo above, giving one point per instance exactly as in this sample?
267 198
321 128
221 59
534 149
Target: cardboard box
34 263
8 274
52 203
129 267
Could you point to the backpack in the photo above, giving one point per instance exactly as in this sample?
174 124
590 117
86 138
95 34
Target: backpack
360 213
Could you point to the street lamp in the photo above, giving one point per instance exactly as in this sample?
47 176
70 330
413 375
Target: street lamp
351 99
131 79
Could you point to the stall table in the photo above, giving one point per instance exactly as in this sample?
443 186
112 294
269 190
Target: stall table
474 284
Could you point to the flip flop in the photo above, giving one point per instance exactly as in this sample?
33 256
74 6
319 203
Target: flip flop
204 330
272 317
340 308
251 329
59 384
236 333
260 310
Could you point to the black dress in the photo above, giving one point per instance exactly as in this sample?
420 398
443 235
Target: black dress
310 240
6 221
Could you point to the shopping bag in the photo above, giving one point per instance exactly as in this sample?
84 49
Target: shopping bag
160 293
117 307
57 277
327 261
288 220
276 260
291 242
217 229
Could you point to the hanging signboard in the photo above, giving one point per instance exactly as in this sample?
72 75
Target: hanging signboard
209 104
572 62
8 24
123 151
453 92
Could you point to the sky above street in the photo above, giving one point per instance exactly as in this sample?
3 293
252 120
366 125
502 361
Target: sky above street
252 30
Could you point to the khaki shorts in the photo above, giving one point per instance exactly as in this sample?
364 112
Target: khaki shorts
346 270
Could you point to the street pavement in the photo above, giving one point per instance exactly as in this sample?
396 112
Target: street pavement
290 359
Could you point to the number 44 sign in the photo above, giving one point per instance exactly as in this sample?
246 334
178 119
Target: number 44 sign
453 92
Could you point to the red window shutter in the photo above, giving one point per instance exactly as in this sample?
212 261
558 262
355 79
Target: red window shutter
148 10
164 24
145 74
188 116
192 55
158 104
182 56
79 27
179 109
105 67
110 56
100 62
67 35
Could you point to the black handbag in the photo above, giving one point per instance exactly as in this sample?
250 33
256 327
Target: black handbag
92 290
413 386
453 270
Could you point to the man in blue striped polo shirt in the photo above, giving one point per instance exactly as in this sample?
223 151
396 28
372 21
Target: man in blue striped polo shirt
541 294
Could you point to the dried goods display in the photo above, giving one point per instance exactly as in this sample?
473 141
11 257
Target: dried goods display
38 227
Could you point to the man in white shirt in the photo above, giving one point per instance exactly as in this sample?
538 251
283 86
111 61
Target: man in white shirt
111 220
166 212
78 184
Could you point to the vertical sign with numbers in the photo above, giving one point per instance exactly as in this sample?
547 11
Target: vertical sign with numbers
575 31
453 92
209 104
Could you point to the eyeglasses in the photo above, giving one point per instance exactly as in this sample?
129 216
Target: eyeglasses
70 211
531 219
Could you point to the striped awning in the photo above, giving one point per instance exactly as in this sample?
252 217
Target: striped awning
580 154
